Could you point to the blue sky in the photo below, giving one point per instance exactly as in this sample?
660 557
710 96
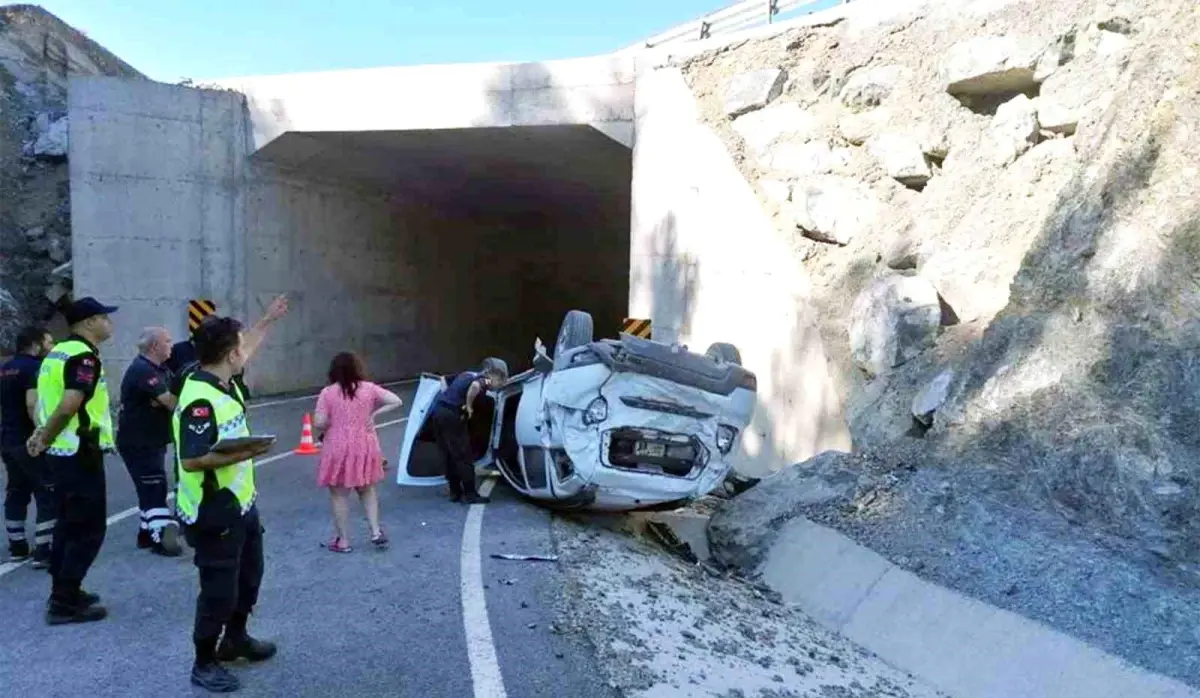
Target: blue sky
174 39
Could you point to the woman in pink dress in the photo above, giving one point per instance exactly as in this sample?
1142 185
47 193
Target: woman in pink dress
350 455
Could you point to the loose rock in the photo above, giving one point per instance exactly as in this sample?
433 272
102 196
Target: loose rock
806 159
760 128
990 65
902 158
893 320
753 90
929 400
869 87
833 209
1014 129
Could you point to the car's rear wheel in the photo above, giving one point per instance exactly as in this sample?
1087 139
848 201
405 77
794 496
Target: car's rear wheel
576 331
725 353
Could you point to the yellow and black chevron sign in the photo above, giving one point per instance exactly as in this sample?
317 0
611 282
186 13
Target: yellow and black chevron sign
198 310
636 327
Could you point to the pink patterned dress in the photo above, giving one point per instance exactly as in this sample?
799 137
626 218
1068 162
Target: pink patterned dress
350 454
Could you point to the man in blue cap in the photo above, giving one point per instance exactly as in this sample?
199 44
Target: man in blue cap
74 431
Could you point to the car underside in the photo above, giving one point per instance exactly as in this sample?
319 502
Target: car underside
605 425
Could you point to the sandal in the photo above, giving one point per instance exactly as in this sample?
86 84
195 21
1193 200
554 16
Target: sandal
380 540
337 545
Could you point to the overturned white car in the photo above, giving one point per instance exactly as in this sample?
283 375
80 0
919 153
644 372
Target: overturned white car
603 425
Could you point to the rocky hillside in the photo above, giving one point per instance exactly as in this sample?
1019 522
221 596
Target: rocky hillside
997 203
38 53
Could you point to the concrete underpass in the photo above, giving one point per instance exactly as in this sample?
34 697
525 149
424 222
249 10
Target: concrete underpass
428 216
426 250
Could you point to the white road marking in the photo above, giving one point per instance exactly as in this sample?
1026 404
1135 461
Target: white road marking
481 651
7 567
301 398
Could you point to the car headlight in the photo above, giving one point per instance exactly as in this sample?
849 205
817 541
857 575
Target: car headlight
597 411
725 437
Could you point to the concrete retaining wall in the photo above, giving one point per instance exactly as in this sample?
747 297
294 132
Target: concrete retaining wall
155 202
707 265
962 646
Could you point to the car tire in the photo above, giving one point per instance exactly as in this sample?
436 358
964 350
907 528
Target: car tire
576 331
724 353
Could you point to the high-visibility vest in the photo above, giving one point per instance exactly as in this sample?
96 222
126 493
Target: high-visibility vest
52 387
238 478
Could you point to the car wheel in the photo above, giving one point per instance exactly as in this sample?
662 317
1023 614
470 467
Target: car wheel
576 331
724 353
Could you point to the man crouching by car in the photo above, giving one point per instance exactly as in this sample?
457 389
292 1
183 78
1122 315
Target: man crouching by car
452 410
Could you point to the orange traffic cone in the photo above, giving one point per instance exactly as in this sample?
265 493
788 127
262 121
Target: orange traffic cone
307 447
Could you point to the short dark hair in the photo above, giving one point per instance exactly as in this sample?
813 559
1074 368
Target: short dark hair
30 336
215 338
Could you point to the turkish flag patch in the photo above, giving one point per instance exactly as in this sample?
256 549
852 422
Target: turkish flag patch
153 381
201 411
87 361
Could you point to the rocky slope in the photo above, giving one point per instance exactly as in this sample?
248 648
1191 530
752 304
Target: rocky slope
998 203
38 53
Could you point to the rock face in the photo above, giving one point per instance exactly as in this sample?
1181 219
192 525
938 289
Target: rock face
893 320
1046 411
38 53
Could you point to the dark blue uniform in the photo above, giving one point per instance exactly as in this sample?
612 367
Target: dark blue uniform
143 433
27 476
450 425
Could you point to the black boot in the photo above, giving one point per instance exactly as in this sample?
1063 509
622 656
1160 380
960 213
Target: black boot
144 540
41 557
207 672
70 604
18 550
237 643
476 498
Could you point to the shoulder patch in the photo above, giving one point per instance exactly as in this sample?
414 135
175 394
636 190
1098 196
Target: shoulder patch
201 411
153 381
87 361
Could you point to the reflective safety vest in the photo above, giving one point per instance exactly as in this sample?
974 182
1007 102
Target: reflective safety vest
238 478
51 388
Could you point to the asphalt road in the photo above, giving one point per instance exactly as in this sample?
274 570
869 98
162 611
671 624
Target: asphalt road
368 623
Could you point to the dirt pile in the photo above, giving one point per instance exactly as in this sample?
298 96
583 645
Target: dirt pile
998 206
38 54
662 627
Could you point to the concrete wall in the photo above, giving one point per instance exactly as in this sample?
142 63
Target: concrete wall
155 203
596 90
344 256
707 265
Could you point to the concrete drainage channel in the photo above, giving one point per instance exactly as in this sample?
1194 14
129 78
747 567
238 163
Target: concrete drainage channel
956 644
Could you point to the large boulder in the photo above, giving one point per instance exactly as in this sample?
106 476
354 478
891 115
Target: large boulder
759 129
893 320
742 532
990 65
901 157
833 209
753 90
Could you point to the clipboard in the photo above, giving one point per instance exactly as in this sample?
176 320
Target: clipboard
239 443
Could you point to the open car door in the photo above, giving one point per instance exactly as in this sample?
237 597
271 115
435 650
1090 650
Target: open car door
420 461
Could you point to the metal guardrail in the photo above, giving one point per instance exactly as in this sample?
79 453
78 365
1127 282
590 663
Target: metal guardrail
747 14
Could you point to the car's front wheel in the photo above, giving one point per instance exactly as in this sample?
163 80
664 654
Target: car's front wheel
576 331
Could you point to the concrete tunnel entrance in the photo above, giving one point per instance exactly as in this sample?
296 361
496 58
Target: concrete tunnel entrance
426 250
